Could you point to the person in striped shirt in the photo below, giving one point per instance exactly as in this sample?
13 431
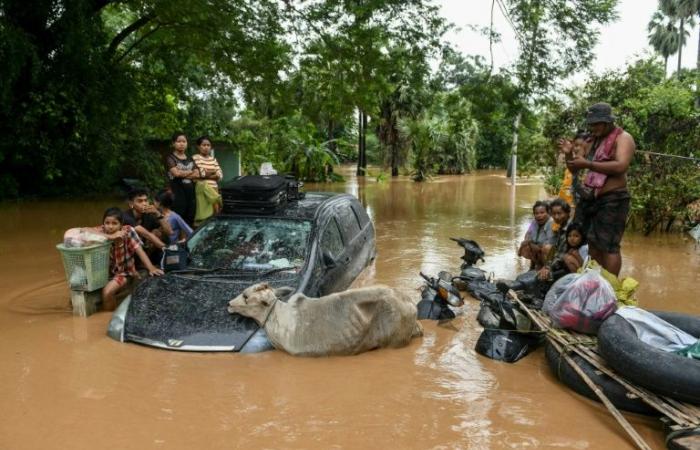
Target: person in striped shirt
208 198
207 163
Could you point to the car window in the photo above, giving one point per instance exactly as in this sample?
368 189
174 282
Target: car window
348 220
331 239
250 243
360 215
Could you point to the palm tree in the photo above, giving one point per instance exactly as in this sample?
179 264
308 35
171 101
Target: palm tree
663 36
678 10
691 8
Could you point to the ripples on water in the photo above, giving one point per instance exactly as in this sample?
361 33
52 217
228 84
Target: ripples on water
64 384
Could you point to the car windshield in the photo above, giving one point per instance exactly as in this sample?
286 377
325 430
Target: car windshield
250 243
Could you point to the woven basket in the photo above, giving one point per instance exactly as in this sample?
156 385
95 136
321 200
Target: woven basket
87 268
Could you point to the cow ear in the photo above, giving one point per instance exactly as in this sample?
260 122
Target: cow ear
284 292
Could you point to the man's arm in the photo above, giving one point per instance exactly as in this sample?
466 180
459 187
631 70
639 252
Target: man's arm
623 157
162 220
165 226
152 270
144 233
618 166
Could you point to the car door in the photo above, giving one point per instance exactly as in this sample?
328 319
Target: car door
333 257
353 260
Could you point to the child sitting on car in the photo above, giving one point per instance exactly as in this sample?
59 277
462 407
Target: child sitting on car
125 244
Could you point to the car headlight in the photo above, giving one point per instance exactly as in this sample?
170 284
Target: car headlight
115 329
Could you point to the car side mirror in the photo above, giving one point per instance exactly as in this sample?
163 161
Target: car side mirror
328 259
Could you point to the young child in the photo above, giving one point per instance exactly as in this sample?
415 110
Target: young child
125 243
575 240
555 265
579 147
539 237
180 230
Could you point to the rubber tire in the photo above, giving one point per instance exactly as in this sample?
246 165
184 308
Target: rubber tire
660 372
673 438
611 388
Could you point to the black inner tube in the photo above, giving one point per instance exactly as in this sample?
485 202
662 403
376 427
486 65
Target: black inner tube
611 388
661 372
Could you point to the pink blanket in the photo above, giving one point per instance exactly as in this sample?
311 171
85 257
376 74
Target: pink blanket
604 152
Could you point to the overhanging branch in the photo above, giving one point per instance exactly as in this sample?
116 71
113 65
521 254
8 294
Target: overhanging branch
122 35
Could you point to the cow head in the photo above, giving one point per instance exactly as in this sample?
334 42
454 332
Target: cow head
254 302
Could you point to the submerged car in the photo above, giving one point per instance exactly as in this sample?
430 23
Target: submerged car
317 245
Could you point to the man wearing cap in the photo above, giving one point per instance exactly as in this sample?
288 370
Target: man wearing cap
605 201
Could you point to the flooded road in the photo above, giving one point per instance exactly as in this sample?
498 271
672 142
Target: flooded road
64 384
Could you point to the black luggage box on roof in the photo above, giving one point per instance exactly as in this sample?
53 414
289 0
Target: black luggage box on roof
259 188
262 194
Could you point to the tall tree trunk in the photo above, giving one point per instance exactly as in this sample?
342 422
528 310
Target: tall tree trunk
665 65
526 93
680 46
332 145
394 146
697 67
364 142
360 149
514 151
697 58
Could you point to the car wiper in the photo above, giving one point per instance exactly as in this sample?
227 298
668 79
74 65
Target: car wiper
278 269
197 270
249 273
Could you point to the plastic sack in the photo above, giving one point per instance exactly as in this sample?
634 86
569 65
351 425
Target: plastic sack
624 287
692 351
506 345
77 278
267 169
82 237
557 289
695 233
584 304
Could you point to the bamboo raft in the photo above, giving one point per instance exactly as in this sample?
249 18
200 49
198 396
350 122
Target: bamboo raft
677 415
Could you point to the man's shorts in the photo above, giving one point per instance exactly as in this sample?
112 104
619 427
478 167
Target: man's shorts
607 221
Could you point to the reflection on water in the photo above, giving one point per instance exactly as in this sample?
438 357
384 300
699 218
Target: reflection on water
64 384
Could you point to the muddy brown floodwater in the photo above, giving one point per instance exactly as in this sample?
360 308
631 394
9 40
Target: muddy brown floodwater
65 385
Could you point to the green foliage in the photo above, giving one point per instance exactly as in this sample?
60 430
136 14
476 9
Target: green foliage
84 83
555 38
553 177
442 139
661 116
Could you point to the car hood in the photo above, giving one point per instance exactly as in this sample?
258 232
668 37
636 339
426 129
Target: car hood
185 312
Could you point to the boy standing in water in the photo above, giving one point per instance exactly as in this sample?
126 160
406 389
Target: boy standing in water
604 197
125 243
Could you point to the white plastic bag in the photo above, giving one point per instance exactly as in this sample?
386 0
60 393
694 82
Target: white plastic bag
695 233
78 278
557 289
267 169
82 237
584 304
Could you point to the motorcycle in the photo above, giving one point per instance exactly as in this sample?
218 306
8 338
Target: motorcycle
437 296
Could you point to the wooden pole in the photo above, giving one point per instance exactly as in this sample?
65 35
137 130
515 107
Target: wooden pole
649 398
586 379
